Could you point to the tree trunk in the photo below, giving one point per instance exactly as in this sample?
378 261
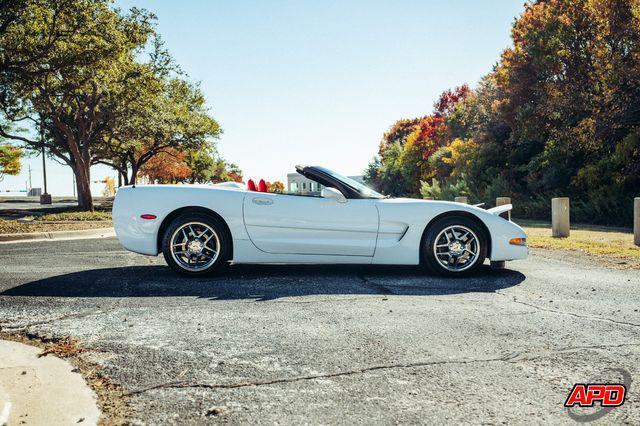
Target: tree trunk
83 184
134 175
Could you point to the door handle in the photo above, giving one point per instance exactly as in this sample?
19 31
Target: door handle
262 201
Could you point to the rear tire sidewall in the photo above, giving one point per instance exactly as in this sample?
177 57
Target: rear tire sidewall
216 225
429 256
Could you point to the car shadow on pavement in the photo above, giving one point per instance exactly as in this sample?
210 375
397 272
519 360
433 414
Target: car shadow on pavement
264 282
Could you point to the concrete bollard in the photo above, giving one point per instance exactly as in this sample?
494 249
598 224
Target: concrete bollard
501 201
560 217
463 200
636 221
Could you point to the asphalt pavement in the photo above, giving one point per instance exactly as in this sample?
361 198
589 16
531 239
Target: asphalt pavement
333 344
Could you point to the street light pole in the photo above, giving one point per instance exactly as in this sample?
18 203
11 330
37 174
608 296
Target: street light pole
46 197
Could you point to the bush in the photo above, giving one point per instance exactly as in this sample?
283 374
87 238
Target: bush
446 191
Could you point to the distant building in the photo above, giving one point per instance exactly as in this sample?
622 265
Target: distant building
34 192
298 184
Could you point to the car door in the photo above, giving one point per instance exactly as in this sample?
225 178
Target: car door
290 224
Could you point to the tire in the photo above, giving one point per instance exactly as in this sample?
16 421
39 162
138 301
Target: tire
454 246
196 244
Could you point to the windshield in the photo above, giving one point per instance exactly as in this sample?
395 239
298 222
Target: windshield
362 189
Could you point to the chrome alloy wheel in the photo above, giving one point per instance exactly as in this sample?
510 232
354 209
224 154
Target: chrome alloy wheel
195 246
456 248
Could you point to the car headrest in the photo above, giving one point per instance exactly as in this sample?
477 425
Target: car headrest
251 185
262 186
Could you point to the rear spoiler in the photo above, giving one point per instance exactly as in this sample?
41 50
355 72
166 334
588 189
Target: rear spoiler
501 210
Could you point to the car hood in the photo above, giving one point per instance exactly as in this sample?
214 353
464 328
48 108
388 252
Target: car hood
452 205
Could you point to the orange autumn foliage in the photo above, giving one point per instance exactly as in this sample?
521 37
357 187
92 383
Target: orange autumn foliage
167 167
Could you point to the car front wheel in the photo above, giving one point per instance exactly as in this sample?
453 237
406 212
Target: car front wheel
196 244
455 246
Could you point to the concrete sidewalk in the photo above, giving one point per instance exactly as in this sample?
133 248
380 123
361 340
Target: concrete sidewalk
42 390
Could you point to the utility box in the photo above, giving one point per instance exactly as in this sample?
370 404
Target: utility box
45 198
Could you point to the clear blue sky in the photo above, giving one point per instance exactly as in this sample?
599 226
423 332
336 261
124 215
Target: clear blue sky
318 82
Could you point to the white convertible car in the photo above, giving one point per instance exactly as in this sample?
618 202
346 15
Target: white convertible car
200 229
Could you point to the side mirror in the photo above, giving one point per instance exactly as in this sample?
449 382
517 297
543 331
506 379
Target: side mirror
333 194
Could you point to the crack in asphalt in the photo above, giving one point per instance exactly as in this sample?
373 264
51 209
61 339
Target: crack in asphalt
324 300
511 358
9 326
573 314
182 385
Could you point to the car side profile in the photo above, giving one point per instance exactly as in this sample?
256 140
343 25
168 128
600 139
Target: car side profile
201 228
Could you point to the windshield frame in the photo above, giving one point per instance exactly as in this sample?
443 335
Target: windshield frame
350 188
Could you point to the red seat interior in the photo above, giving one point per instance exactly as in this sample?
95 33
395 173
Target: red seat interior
262 186
251 185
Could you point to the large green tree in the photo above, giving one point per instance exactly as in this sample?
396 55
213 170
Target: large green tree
570 90
63 63
99 85
171 116
558 115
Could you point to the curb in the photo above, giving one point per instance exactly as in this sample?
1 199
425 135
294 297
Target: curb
58 235
47 389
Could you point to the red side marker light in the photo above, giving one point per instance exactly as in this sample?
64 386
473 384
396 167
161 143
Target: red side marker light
148 216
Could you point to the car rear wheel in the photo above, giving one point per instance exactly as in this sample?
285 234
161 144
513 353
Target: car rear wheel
196 244
455 246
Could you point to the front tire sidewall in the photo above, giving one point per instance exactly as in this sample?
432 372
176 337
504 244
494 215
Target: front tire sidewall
430 257
220 230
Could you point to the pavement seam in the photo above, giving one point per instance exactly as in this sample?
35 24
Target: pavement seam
573 314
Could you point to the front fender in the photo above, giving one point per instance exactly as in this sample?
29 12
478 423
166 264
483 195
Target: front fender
403 222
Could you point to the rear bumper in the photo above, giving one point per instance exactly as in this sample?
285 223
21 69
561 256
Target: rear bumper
134 233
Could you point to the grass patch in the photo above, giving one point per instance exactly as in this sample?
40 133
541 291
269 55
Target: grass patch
529 223
74 216
13 227
611 244
57 221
